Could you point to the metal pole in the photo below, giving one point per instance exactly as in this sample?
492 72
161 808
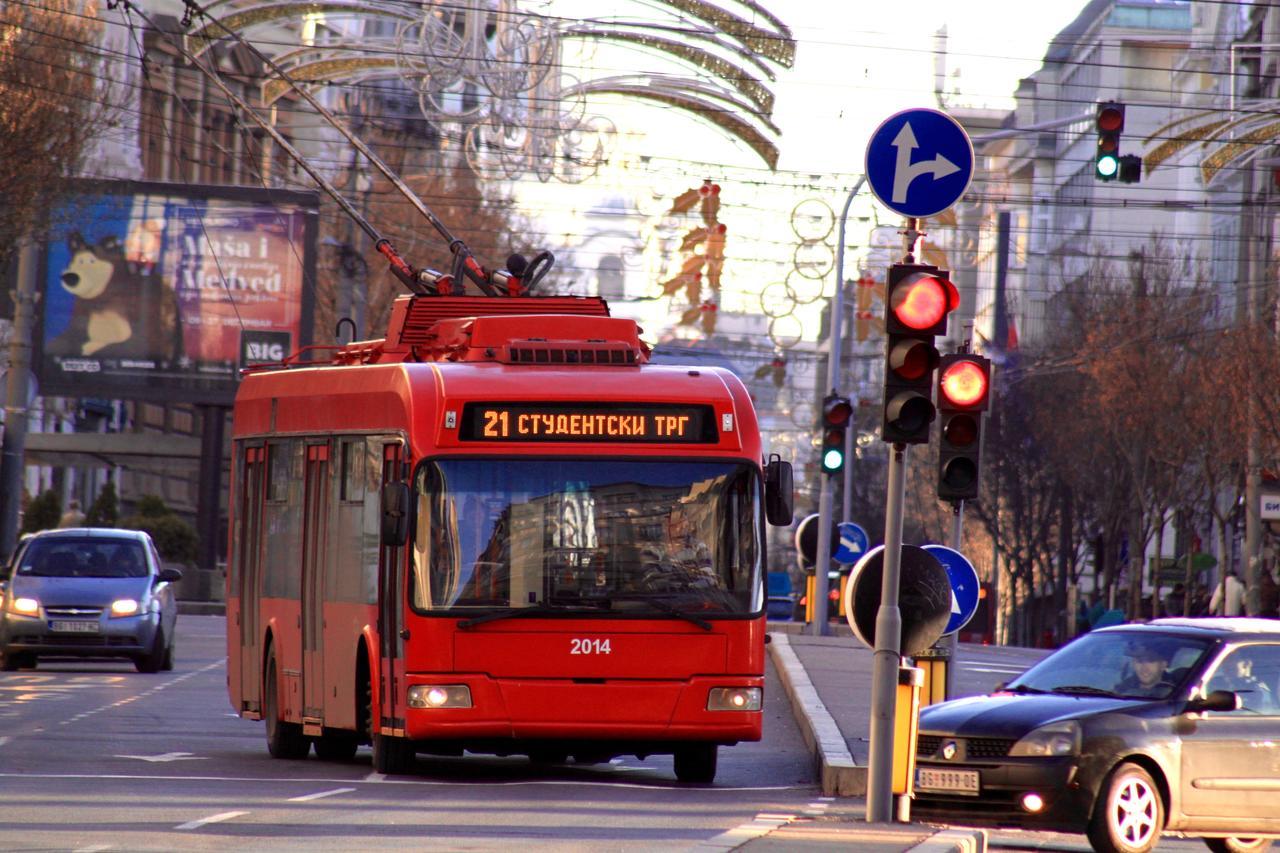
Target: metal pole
13 451
957 533
822 563
884 668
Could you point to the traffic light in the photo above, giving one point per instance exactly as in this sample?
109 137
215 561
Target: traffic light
1130 169
837 411
964 388
918 300
1109 124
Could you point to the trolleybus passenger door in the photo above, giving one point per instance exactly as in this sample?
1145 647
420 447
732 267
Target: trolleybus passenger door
316 488
390 603
248 557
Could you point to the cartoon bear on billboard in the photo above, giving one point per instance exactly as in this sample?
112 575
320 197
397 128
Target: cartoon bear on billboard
122 309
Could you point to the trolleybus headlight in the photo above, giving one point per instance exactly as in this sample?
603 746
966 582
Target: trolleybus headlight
440 696
124 607
734 699
24 606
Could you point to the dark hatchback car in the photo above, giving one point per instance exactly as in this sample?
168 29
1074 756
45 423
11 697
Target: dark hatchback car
88 593
1124 734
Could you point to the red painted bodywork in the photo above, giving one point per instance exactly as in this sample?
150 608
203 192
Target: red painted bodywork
653 684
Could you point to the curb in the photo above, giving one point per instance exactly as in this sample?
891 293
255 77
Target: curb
202 608
954 841
839 775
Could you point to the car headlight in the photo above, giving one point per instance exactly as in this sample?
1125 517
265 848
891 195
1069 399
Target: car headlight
124 607
1054 739
24 606
440 696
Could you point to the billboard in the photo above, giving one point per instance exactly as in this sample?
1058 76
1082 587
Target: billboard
164 292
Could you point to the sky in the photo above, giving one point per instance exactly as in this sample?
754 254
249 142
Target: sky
856 64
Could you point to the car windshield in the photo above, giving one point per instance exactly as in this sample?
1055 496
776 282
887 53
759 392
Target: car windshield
65 557
625 537
1127 664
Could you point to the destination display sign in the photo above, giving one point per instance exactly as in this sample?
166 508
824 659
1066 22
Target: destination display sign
654 423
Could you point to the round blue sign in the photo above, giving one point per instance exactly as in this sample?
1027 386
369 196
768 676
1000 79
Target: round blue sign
853 543
964 585
919 162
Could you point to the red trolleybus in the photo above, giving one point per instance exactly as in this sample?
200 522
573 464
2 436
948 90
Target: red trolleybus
500 530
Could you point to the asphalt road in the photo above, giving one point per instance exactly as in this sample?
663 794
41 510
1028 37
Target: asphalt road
98 757
95 756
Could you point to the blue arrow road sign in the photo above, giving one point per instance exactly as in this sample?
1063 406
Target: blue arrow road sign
964 585
853 543
919 162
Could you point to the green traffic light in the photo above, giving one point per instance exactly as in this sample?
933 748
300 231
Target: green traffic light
832 460
1108 165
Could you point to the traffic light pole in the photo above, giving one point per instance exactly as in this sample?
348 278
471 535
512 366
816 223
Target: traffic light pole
822 563
884 667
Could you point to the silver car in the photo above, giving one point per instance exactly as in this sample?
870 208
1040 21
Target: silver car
88 593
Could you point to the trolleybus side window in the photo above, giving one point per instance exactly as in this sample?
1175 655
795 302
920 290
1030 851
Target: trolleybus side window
609 535
283 516
351 460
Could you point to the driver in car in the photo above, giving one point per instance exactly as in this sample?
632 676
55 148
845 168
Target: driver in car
1150 662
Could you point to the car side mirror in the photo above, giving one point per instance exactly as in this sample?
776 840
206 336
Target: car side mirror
1218 700
168 575
779 492
395 514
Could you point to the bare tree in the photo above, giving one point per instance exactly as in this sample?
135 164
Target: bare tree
52 107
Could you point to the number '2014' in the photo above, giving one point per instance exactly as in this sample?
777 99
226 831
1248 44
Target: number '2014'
585 646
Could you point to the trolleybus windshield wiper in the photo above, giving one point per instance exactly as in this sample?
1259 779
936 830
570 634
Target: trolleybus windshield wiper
542 608
667 608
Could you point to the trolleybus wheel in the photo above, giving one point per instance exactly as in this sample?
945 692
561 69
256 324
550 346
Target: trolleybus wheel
393 755
696 763
336 746
284 740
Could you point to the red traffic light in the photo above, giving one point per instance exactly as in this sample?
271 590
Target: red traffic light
1110 117
836 411
912 358
963 384
921 301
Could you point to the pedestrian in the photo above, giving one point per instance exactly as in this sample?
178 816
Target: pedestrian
1232 603
73 517
1268 594
1175 601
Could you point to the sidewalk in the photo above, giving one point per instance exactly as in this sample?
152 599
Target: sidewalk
827 680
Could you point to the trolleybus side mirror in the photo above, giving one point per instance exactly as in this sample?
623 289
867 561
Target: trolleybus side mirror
395 514
779 498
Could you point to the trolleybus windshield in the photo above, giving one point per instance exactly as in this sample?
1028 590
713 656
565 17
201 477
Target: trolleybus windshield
614 537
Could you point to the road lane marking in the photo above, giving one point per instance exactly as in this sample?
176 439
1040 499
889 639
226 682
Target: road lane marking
166 757
4 739
217 818
97 848
165 685
378 779
762 824
306 798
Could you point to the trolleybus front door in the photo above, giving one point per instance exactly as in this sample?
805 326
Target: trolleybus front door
390 602
248 569
316 488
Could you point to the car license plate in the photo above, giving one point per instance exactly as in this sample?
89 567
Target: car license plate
77 626
950 781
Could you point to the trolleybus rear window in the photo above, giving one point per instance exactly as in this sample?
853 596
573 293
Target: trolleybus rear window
638 422
624 537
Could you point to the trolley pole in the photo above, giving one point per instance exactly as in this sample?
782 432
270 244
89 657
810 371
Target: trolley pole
822 559
13 453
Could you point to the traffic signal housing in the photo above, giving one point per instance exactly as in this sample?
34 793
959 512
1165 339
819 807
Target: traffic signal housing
1109 124
918 300
964 392
837 412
